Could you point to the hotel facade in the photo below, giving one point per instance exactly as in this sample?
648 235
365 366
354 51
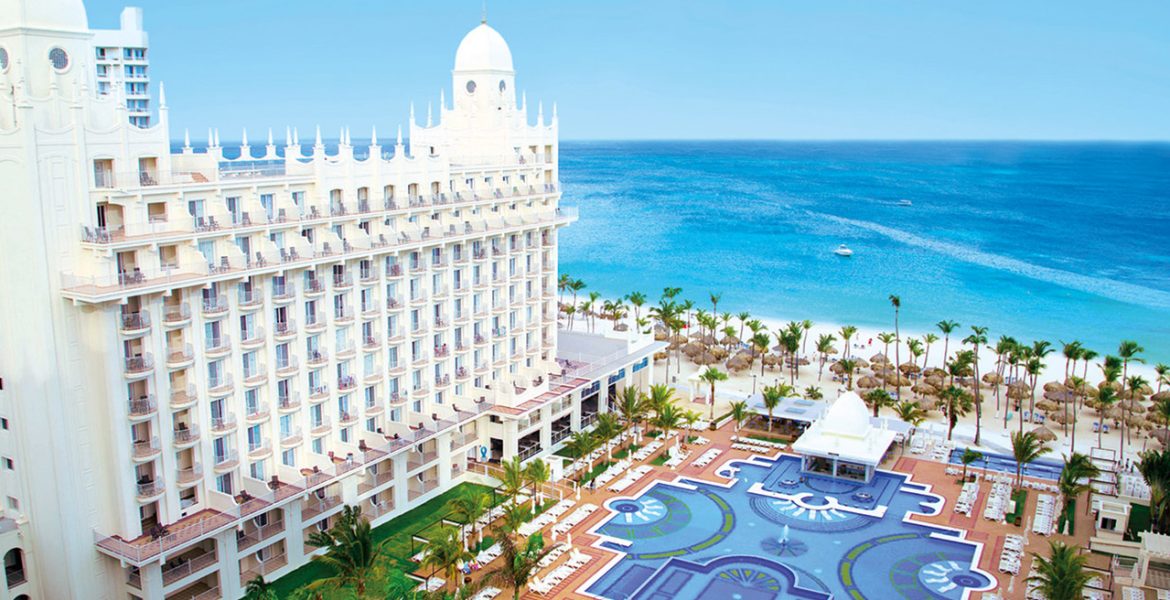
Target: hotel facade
206 353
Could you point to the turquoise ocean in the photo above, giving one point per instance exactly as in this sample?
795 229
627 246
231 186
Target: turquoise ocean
1054 241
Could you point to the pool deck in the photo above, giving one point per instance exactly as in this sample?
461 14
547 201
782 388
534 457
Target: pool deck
928 472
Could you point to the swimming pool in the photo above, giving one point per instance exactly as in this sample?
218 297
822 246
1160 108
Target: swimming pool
770 532
1041 468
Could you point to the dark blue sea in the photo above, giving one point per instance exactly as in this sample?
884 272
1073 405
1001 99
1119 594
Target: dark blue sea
1054 241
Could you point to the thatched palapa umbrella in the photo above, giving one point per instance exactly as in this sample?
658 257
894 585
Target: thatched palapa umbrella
868 382
992 378
1044 433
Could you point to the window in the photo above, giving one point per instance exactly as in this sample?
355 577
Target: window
319 445
59 58
256 470
289 458
1108 524
4 423
13 503
223 483
8 464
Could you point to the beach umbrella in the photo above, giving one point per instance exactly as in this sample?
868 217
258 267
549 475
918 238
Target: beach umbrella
896 380
693 349
879 358
678 338
1161 396
934 372
1058 416
1060 396
936 381
1131 405
861 363
868 382
924 389
909 367
729 340
738 363
1047 405
992 378
708 340
1044 433
1160 435
1053 386
719 352
660 334
805 362
660 356
837 368
771 360
1018 392
1113 384
706 358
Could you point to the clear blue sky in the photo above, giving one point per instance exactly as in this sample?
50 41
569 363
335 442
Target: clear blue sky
620 69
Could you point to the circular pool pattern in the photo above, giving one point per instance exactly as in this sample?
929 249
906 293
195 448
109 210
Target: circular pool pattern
654 514
787 512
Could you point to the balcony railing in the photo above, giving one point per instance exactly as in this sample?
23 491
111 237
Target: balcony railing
135 321
227 422
257 411
150 489
289 402
143 406
288 291
186 566
215 305
139 364
186 435
251 538
221 343
176 313
219 384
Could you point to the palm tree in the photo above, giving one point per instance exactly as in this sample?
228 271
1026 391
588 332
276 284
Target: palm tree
537 473
1106 397
914 345
467 508
743 319
715 298
896 302
1061 575
569 310
512 480
1162 370
739 413
977 338
711 376
445 554
772 396
849 366
760 342
608 426
1162 409
969 456
1003 347
350 552
689 418
258 589
928 339
1034 367
1154 465
806 325
1026 447
632 406
661 396
878 398
947 328
911 413
637 300
813 392
668 419
514 516
824 348
575 286
518 564
1075 475
886 338
581 444
847 332
956 401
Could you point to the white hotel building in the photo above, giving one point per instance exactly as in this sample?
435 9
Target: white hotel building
205 354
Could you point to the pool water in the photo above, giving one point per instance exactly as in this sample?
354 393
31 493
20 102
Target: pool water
1040 468
770 532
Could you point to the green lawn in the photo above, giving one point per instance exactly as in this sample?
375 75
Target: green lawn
769 438
397 531
624 452
1021 498
598 470
566 452
660 460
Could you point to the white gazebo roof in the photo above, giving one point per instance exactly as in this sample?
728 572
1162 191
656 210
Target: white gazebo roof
846 431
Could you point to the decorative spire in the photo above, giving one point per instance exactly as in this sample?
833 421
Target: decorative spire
162 95
399 142
374 136
554 117
296 137
216 138
287 135
186 139
317 143
540 113
210 138
428 114
524 100
270 136
244 143
442 103
483 15
412 114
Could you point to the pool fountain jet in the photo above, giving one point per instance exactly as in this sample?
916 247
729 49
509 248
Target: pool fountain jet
784 546
784 536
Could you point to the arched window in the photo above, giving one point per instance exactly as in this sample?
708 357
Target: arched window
14 567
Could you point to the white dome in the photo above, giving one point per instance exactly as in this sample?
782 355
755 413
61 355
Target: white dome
847 416
483 49
57 15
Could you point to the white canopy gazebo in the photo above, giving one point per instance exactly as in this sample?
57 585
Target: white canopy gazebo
843 442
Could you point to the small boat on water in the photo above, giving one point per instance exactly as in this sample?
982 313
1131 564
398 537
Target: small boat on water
905 202
843 250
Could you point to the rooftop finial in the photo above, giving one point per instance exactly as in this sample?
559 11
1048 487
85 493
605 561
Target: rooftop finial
186 139
483 15
162 95
374 136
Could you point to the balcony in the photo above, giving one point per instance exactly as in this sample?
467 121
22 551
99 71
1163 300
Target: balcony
224 424
135 323
318 393
315 322
263 568
248 539
347 418
146 449
442 381
375 480
419 328
460 440
288 403
138 366
215 306
250 299
186 435
371 310
322 426
175 315
287 366
226 461
394 271
418 489
284 293
186 565
257 412
418 299
421 359
257 375
150 490
316 505
314 287
285 329
371 343
416 460
342 281
259 449
220 385
346 383
291 437
252 337
345 348
318 357
368 276
219 345
180 356
183 397
343 314
190 476
142 408
396 368
462 374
